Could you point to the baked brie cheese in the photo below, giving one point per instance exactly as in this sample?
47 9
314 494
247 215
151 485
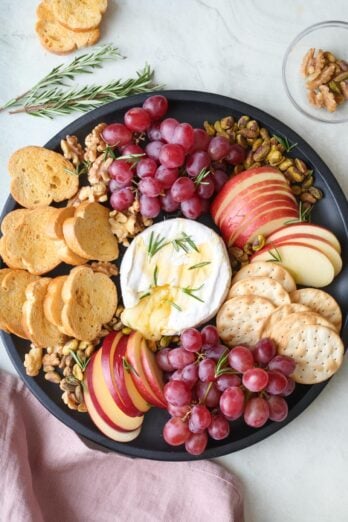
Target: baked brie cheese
174 275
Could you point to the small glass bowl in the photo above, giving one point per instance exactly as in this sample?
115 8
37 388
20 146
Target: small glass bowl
329 36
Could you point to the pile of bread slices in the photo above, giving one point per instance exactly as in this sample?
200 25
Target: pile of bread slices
64 26
39 237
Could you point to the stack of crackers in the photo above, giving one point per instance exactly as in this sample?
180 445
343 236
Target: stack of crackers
304 323
66 25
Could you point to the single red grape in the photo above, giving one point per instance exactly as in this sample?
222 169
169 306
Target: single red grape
179 357
256 412
150 187
122 199
167 128
210 335
220 177
163 361
191 340
178 411
183 135
201 140
116 134
277 382
219 427
206 370
137 119
206 188
289 388
192 208
172 155
149 207
227 380
146 167
182 189
218 148
121 172
189 374
153 149
236 155
131 148
283 364
176 431
232 403
241 359
215 352
154 132
208 394
167 202
156 105
177 393
196 443
196 162
166 176
278 408
200 418
255 379
264 351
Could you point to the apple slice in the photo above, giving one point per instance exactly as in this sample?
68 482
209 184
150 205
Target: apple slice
307 228
307 264
124 380
246 214
133 357
122 400
263 224
241 182
323 245
252 192
152 371
88 384
107 403
104 427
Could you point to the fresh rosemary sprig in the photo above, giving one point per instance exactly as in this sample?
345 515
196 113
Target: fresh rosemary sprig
108 153
155 276
184 242
128 367
81 169
200 265
144 295
84 64
201 177
133 159
276 257
82 364
304 215
155 244
174 305
190 292
285 142
51 102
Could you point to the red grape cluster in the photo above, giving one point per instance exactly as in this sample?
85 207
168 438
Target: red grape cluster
210 385
173 170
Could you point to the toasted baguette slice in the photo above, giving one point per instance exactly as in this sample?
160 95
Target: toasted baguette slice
89 234
36 326
40 176
58 39
12 297
90 300
9 258
54 225
77 15
67 255
3 324
29 244
12 219
53 302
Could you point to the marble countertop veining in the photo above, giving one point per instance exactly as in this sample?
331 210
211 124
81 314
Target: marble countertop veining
234 48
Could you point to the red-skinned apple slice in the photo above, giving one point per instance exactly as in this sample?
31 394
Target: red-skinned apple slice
307 228
317 242
263 224
230 230
133 357
241 182
107 403
308 265
246 214
251 193
104 427
126 386
152 371
122 400
93 399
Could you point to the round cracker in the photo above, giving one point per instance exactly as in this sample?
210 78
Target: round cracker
321 303
264 269
240 319
318 352
282 330
263 287
279 314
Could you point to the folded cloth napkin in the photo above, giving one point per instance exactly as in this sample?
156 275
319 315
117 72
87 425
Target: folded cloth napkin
47 474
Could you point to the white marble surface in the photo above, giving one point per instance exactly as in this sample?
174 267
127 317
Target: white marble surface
233 48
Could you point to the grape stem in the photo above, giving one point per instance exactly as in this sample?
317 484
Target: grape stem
204 398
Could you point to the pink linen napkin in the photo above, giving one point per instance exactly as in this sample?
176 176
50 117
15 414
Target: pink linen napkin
47 474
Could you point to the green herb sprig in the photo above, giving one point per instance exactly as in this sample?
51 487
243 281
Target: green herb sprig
128 367
55 101
81 363
199 265
201 177
304 215
81 169
191 291
275 255
83 64
156 242
184 242
285 142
